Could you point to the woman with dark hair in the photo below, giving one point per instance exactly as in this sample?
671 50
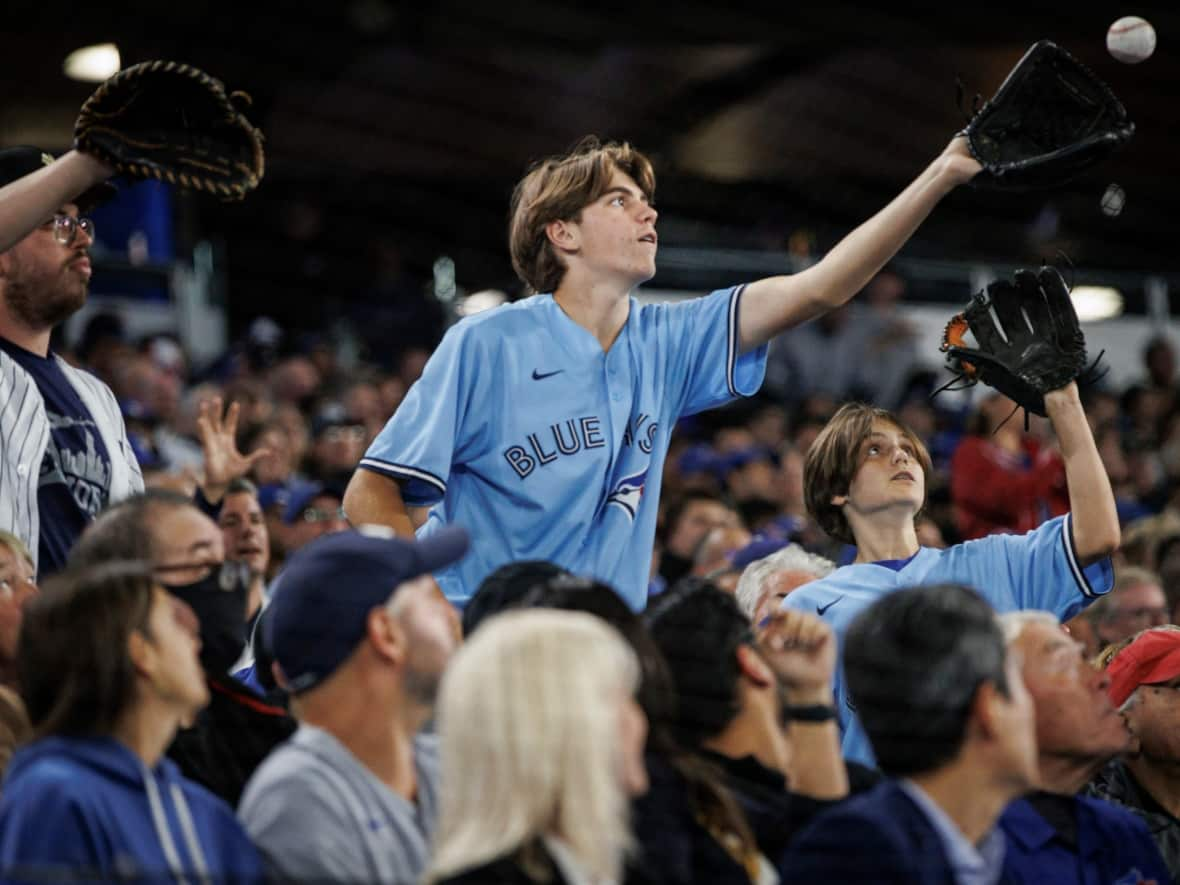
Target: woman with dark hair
108 664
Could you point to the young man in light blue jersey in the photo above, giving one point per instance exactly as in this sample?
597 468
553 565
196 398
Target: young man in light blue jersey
542 426
865 482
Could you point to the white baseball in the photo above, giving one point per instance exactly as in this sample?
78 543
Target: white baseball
1113 200
1131 39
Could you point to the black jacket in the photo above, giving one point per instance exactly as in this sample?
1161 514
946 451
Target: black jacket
775 814
230 738
674 847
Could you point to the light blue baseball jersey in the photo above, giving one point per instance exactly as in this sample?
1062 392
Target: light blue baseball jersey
544 446
1038 570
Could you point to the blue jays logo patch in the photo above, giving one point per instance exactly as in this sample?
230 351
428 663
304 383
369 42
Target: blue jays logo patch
628 492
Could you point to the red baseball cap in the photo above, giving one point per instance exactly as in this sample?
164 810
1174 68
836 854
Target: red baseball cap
1153 657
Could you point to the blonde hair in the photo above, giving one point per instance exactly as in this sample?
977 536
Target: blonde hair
17 546
15 729
558 189
529 731
791 558
1103 659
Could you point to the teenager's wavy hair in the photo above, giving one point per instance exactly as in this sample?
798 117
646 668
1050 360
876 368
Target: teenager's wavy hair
834 457
528 718
558 189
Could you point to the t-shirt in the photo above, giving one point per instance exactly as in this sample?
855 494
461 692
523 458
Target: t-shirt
75 478
318 814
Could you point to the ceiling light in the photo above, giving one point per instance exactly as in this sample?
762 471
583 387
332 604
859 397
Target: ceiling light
92 64
1096 302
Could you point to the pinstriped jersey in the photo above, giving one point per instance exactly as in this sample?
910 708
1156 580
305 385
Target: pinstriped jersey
544 446
24 439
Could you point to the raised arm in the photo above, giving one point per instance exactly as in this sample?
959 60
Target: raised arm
31 200
801 650
775 304
1094 518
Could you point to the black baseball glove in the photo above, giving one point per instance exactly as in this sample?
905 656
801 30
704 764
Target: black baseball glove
1037 345
173 122
1050 120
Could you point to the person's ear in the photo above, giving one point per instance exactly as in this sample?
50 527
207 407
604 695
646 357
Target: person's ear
751 665
279 676
563 235
140 653
386 635
987 711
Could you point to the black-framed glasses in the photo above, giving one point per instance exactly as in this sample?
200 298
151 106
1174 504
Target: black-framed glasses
230 574
65 228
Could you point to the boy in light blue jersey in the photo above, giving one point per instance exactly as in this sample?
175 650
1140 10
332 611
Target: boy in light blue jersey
865 482
542 426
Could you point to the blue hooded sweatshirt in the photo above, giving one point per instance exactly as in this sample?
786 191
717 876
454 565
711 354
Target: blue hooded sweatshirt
88 809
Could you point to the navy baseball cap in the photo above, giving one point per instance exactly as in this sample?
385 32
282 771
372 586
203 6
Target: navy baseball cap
300 493
17 162
318 614
759 547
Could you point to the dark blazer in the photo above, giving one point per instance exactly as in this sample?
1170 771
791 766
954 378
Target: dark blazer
881 837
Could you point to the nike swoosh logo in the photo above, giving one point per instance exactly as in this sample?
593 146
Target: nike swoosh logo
537 376
820 609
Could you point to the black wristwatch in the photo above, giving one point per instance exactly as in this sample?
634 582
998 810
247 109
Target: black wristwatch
811 713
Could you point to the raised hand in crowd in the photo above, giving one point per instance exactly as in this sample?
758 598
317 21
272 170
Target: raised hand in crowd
223 462
801 650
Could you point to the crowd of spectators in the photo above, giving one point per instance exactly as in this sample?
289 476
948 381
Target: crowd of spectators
221 679
720 786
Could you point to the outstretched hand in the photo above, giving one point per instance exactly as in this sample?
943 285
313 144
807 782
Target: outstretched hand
223 462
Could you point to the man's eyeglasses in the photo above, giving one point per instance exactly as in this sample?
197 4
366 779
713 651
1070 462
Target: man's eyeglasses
1147 613
318 514
351 433
65 228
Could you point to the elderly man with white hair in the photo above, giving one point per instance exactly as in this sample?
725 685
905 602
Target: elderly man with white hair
1144 681
766 582
1054 834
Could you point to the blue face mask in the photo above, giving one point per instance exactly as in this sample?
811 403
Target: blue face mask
219 600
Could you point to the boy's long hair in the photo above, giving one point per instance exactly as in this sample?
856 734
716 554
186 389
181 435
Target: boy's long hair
558 189
834 457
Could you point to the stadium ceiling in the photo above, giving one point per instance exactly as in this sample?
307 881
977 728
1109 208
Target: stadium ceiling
406 124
